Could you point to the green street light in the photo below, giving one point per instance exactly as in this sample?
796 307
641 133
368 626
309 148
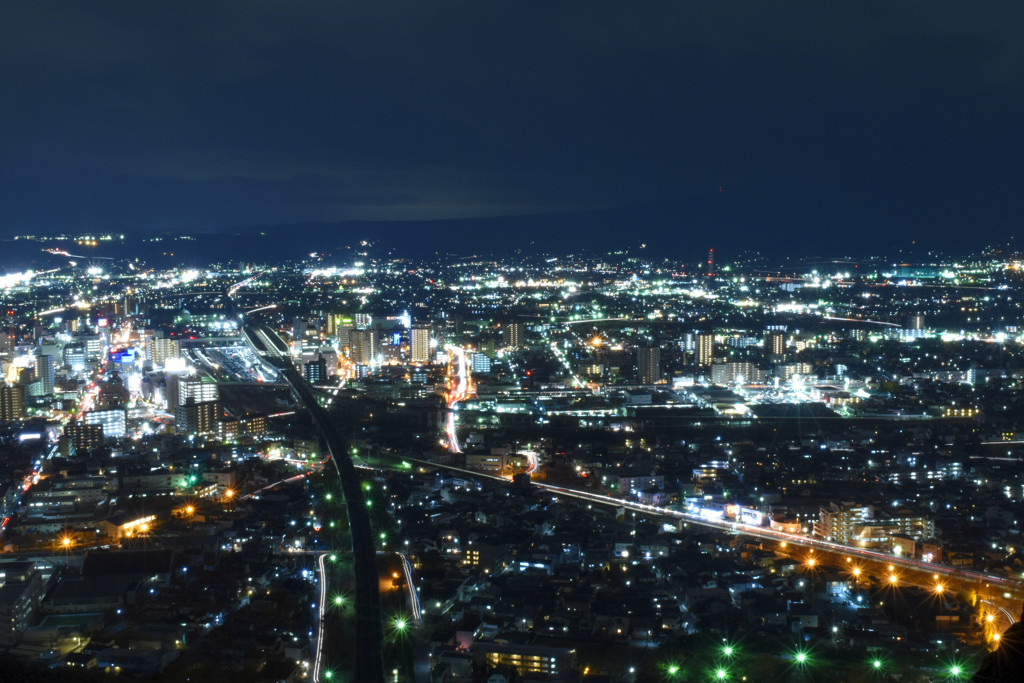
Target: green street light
333 558
727 650
877 664
328 496
339 600
328 675
955 671
400 624
673 669
721 674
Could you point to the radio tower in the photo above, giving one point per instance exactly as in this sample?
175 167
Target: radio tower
711 262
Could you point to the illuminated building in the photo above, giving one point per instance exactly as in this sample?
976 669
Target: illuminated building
703 349
480 363
648 363
315 371
159 349
12 402
182 389
419 344
74 355
250 425
528 660
775 343
512 335
837 521
113 421
198 417
84 437
364 346
46 373
742 371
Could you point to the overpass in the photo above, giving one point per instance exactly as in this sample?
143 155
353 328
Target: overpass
369 631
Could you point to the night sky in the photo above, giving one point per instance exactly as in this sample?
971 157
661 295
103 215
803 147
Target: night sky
801 125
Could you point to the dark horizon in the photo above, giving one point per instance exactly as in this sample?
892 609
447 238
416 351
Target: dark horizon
830 128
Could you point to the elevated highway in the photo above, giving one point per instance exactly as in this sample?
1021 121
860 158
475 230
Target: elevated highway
368 667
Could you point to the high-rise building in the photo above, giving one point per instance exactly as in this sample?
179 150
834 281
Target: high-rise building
183 388
703 349
512 335
479 363
74 356
93 346
836 522
775 343
114 421
160 349
12 402
198 418
361 346
46 373
419 344
648 363
315 371
344 334
84 437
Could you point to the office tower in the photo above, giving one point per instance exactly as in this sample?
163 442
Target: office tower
419 344
704 349
648 363
46 373
512 335
12 402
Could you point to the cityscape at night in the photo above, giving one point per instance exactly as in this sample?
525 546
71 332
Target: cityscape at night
604 467
460 342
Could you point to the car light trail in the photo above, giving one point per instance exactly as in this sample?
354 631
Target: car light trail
459 388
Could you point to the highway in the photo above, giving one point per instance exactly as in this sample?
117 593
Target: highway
368 666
